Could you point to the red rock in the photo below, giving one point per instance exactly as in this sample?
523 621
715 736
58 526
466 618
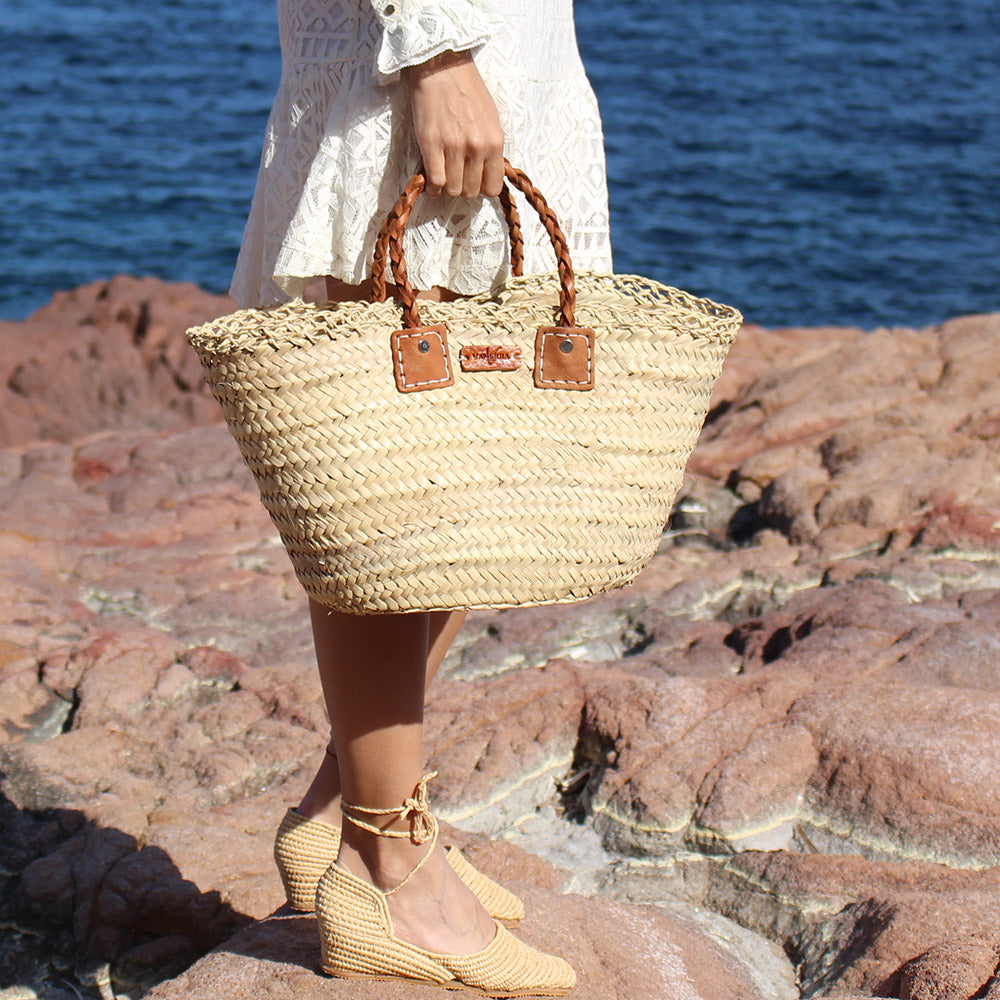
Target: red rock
963 654
865 927
765 780
26 703
618 951
809 662
903 769
113 354
115 894
500 745
953 970
903 430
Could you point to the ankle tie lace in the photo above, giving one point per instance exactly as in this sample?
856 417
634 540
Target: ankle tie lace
357 939
423 823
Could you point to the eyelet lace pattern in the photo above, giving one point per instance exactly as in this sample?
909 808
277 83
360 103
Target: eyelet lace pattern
338 148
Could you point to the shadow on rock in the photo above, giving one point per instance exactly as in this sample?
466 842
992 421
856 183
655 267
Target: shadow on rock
97 905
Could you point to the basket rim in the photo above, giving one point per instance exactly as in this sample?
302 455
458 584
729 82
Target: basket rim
724 320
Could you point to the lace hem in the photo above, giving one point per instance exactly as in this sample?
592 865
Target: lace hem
338 149
415 31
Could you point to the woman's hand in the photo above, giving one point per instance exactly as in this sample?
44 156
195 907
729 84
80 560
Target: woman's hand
457 126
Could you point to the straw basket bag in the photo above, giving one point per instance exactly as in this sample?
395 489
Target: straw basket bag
520 447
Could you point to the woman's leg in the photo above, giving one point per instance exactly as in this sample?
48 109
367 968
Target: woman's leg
373 669
322 799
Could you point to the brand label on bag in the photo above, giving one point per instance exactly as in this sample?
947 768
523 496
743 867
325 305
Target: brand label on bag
490 357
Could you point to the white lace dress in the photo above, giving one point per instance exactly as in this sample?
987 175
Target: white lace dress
339 145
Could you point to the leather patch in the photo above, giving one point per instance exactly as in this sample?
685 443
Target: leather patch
564 357
420 358
490 357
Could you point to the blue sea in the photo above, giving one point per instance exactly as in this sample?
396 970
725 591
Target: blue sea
806 161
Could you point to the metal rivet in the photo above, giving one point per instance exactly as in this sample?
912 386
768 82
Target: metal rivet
566 346
424 346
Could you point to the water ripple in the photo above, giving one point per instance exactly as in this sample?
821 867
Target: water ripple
810 163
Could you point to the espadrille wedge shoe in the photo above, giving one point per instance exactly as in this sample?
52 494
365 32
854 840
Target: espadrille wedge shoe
305 848
357 939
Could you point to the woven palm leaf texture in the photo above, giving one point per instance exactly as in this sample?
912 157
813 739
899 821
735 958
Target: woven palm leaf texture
400 481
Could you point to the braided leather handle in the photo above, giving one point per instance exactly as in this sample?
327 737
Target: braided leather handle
406 200
391 237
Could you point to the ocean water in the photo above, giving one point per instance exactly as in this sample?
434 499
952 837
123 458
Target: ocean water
807 162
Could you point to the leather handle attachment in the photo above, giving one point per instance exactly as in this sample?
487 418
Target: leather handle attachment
564 354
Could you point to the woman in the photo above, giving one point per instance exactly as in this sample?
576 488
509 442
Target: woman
368 89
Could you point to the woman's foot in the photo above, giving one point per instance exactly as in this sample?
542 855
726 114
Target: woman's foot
304 848
392 907
434 909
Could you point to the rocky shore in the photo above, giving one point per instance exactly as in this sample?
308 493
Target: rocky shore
766 770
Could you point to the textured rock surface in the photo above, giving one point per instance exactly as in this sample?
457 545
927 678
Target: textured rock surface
279 957
109 354
786 732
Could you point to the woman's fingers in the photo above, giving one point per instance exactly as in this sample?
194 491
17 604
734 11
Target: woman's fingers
493 173
434 168
455 164
483 175
457 126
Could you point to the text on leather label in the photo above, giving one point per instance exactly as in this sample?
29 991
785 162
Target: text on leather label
490 357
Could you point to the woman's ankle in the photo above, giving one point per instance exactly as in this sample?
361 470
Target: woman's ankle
322 798
319 807
386 860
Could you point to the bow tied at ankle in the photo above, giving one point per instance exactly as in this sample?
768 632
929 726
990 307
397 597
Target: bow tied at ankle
423 824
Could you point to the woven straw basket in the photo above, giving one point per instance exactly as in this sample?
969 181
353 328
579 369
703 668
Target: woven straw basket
400 482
